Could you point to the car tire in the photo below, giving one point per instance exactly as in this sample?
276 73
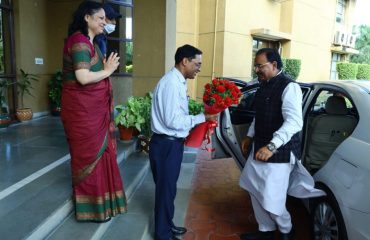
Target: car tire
327 220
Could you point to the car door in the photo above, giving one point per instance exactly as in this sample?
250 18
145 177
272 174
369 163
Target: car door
226 139
234 123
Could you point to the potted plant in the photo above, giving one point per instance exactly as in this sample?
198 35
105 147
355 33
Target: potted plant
5 119
129 117
146 130
195 107
24 84
55 93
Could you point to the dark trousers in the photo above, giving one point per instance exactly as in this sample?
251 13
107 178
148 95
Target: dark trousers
165 161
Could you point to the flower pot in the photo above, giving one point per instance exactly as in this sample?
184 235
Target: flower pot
135 132
125 133
5 120
24 114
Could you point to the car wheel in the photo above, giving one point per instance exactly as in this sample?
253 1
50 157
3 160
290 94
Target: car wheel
328 222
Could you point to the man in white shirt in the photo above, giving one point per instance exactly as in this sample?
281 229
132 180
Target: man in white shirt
171 123
276 149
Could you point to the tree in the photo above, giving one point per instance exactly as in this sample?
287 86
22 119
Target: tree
363 45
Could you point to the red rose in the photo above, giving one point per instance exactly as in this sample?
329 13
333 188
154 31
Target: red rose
234 94
221 89
228 101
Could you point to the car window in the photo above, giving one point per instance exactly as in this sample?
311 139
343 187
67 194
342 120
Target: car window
305 91
247 101
331 119
320 102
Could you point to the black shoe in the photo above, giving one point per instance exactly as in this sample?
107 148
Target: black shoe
269 235
178 230
287 236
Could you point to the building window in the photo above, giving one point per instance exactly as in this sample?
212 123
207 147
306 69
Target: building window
335 57
341 10
258 44
7 53
5 37
121 39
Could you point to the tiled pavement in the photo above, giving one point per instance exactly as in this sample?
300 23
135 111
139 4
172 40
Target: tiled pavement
220 210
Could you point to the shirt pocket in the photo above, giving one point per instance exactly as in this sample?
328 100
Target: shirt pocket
184 102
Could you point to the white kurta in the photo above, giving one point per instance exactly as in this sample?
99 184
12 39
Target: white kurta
269 183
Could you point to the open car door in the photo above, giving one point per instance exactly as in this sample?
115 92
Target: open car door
233 125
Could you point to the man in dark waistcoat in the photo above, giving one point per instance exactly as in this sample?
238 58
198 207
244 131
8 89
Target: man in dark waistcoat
276 146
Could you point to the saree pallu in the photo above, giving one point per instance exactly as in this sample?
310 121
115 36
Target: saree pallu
88 122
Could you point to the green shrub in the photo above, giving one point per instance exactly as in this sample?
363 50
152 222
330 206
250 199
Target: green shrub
145 112
363 71
129 68
195 107
346 70
129 115
24 84
292 67
136 113
55 89
4 84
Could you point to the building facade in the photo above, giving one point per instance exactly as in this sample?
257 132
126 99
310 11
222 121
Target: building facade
229 32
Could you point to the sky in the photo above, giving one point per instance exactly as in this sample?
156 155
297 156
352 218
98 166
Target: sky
362 12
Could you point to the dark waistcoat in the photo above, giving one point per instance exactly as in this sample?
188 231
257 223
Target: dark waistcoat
269 119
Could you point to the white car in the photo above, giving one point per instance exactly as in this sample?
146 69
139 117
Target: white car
335 150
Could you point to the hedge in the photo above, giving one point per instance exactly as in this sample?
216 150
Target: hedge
129 68
346 70
292 67
363 71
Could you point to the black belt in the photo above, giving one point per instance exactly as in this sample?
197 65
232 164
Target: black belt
164 136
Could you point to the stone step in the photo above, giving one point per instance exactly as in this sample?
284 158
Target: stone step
132 171
138 223
34 206
27 208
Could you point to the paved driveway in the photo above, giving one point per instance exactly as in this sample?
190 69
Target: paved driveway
219 209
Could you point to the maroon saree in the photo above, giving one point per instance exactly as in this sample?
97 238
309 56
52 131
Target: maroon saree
87 116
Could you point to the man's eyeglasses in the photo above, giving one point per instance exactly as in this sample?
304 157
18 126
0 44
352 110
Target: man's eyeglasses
197 64
259 66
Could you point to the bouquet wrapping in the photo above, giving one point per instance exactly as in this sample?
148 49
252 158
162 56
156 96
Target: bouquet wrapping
218 95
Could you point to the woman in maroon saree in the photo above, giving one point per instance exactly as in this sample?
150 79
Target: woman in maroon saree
87 116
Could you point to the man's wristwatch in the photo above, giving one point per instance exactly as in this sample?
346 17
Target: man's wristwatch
271 147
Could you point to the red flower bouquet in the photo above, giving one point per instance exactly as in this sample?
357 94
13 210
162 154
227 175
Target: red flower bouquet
218 95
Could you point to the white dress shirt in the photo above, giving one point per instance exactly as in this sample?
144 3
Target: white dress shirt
170 110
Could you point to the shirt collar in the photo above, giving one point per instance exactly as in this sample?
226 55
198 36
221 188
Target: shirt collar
271 80
179 75
275 75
